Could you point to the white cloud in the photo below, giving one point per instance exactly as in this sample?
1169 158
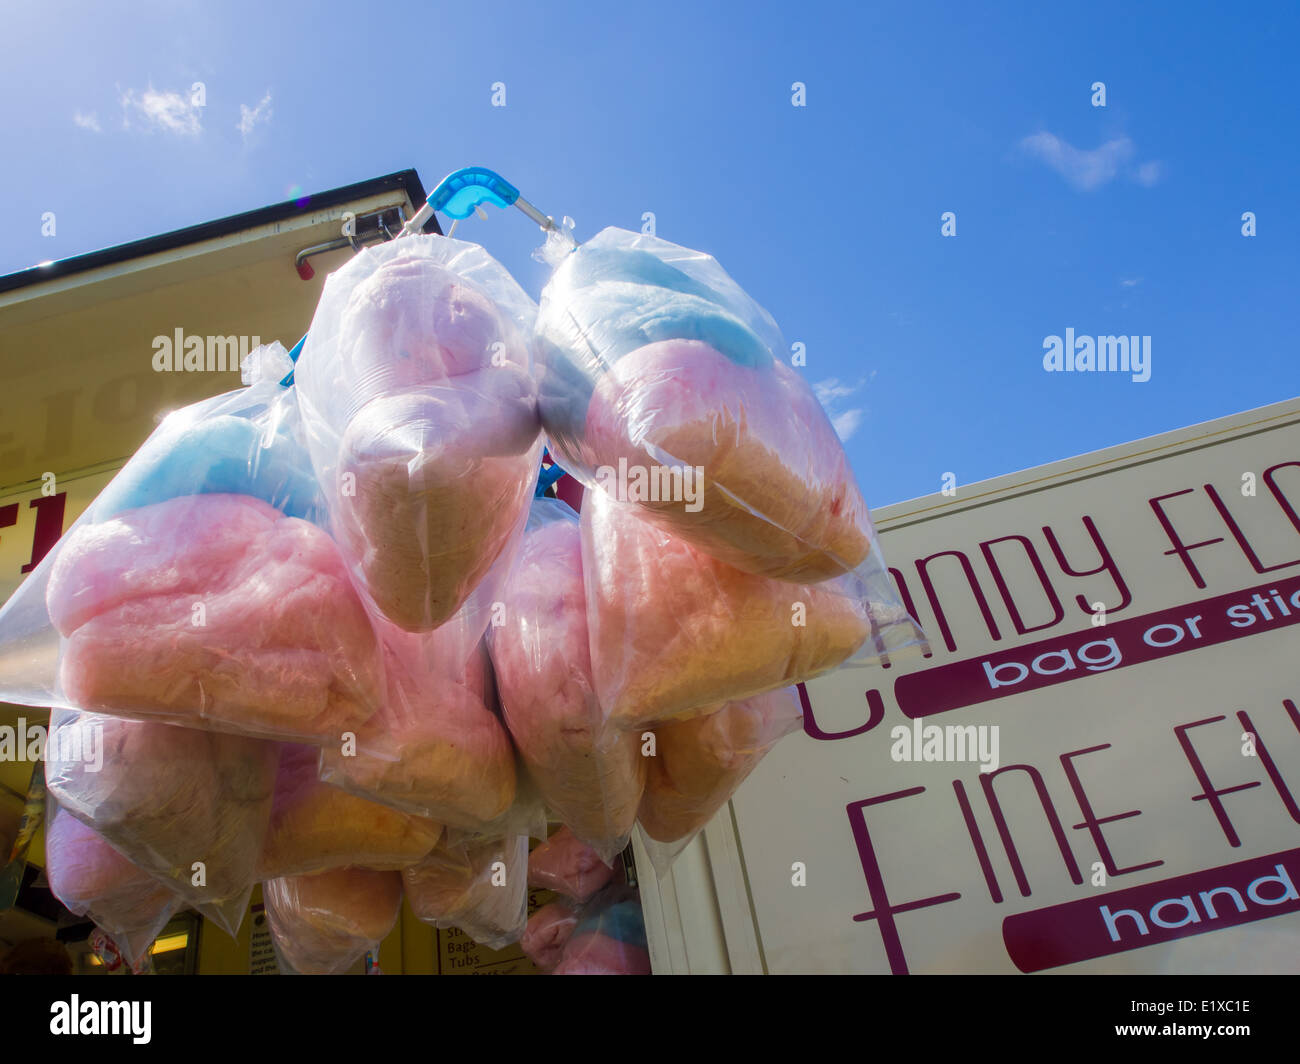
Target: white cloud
253 116
1086 170
846 424
1130 282
1149 173
829 392
1083 169
170 111
88 121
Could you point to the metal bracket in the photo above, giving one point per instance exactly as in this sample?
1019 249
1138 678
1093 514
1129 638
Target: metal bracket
373 228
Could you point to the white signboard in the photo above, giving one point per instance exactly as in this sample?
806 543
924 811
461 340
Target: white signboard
1096 768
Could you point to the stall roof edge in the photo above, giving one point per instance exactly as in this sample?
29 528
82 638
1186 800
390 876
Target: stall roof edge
404 179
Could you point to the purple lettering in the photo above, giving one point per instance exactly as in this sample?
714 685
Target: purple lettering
1237 534
922 567
1107 566
1049 810
1093 822
1183 550
1058 611
1208 791
884 912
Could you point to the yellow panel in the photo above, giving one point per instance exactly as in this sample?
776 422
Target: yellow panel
418 944
390 950
14 775
219 953
77 353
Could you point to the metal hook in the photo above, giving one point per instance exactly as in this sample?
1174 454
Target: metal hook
459 194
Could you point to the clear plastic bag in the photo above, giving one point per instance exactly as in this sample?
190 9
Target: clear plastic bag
590 773
421 415
112 955
316 827
190 807
568 866
93 880
436 748
245 442
609 938
185 593
549 928
675 632
699 763
323 924
666 385
479 886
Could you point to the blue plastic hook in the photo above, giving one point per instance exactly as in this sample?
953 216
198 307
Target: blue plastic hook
546 476
462 190
456 195
294 352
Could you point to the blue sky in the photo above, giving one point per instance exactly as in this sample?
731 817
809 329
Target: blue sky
1117 220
